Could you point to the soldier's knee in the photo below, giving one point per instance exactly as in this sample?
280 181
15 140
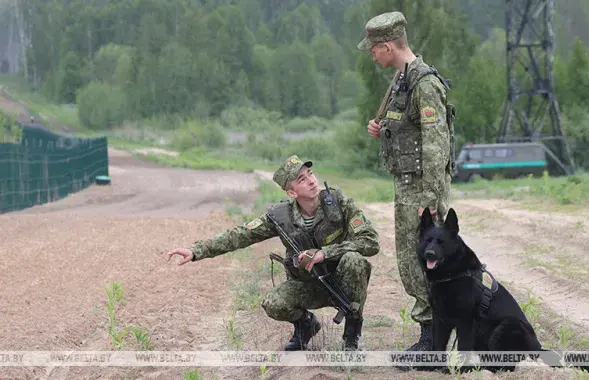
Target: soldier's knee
272 304
354 261
278 307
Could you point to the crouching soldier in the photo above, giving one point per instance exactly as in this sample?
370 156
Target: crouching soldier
330 233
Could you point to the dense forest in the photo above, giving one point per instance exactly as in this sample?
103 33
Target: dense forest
121 60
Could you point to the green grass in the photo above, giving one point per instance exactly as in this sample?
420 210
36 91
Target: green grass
496 184
367 187
204 160
563 192
364 188
38 105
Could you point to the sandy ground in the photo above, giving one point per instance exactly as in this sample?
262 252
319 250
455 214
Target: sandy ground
59 257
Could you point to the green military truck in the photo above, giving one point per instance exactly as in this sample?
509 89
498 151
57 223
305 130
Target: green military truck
508 160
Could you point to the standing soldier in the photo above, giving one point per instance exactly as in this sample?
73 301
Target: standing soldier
415 126
332 233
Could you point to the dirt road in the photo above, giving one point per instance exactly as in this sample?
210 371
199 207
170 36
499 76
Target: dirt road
58 258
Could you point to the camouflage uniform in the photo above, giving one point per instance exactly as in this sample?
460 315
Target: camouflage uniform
416 143
344 246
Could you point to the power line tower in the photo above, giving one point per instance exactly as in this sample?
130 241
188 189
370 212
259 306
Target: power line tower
531 111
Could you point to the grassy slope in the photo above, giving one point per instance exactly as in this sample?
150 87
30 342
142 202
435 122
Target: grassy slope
561 193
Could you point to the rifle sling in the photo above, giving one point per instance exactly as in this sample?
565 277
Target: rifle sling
384 100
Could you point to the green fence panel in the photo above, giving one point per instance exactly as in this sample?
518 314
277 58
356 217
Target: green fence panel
46 167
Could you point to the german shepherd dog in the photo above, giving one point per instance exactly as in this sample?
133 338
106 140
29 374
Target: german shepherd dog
465 297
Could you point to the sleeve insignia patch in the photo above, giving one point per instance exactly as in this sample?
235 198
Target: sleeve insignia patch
428 115
394 115
254 224
357 222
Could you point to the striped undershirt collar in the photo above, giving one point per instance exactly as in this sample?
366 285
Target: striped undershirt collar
308 222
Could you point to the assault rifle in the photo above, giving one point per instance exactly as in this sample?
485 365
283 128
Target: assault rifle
338 297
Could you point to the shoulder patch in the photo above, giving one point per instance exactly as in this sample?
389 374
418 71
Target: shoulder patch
357 222
254 224
428 115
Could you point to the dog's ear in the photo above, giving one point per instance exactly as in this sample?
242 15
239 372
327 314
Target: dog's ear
451 222
426 221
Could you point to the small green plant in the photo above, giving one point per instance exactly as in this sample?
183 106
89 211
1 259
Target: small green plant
263 372
565 335
532 308
234 333
115 296
192 375
454 363
405 323
143 339
116 331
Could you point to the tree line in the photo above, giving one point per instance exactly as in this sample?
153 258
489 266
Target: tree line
137 59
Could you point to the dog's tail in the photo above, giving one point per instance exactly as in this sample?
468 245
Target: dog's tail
556 359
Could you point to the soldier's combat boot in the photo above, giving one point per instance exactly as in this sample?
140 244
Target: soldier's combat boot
426 340
304 329
425 343
352 333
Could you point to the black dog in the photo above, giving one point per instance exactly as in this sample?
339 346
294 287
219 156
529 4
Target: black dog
464 296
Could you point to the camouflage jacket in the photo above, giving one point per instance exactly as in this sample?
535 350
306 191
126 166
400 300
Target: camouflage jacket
361 236
417 150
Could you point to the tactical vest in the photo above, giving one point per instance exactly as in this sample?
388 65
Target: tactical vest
400 135
331 230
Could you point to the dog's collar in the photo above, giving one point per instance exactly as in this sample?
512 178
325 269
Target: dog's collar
467 273
482 276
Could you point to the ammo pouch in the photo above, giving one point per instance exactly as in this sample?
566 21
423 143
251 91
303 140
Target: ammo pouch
387 147
400 134
400 140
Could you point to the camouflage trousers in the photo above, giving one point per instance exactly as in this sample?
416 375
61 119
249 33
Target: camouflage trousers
406 239
287 301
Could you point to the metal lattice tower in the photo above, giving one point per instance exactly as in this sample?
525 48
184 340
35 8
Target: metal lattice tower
531 111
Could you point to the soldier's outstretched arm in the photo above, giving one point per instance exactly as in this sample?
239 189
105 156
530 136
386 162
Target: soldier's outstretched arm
430 99
233 239
362 237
